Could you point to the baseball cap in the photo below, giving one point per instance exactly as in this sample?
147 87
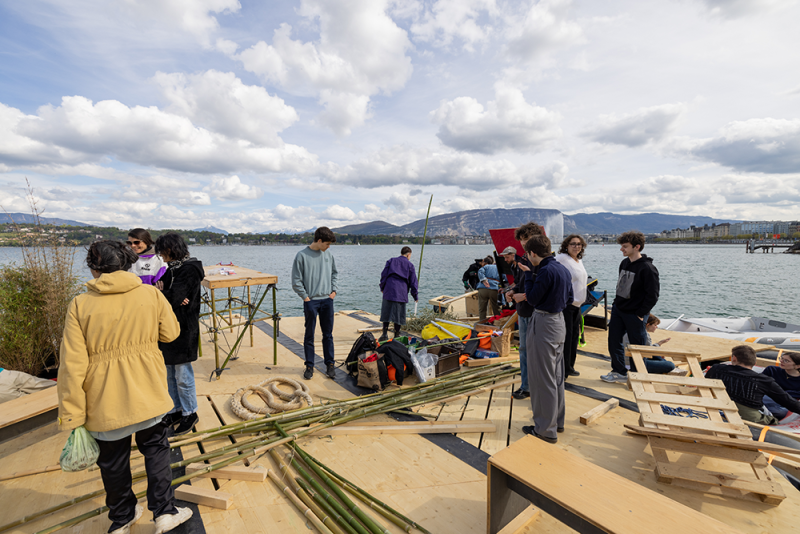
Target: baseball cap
509 250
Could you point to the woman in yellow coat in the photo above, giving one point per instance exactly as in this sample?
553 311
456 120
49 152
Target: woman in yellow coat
112 380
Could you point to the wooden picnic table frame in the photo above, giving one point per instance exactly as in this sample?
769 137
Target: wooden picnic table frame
246 278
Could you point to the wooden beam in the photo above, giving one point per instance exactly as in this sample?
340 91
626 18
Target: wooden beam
206 497
413 427
487 361
676 380
370 329
256 473
599 411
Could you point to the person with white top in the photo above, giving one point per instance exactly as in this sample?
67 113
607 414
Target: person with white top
570 255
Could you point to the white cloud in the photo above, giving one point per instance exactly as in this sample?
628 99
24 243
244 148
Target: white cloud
646 125
232 188
338 213
18 149
143 135
667 184
192 16
732 9
403 165
545 26
508 123
447 20
360 53
757 145
220 102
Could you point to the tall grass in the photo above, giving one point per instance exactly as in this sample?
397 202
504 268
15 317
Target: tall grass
34 297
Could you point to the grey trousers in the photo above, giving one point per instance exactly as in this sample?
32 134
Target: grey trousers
545 348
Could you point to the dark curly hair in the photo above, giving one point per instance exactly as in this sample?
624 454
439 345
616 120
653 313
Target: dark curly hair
324 234
633 238
172 245
565 245
527 230
539 245
108 256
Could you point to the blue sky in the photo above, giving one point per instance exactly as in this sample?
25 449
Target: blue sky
280 115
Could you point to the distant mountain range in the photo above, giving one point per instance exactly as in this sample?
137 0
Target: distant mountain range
27 218
212 229
479 222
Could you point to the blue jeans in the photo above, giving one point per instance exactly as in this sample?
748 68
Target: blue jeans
324 309
620 324
523 353
776 409
180 381
656 365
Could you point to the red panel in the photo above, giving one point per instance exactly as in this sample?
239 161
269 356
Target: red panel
504 237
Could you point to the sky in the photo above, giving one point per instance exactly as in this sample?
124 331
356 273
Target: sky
256 116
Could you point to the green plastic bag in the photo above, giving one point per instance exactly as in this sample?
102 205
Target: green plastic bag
80 452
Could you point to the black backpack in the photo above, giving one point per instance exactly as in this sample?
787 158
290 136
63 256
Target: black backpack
364 343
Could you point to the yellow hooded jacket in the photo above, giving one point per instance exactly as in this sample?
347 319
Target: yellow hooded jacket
111 373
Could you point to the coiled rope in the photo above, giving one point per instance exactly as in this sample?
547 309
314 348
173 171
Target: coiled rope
268 390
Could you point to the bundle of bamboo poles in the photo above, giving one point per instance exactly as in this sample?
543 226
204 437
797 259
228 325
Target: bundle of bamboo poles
277 429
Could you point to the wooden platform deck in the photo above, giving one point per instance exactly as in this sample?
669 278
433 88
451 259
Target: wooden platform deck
443 490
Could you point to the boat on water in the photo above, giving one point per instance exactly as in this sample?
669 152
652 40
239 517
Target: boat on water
782 335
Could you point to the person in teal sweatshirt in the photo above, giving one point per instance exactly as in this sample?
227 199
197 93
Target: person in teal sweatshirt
314 277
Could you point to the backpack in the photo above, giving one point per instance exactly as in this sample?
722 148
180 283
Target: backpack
372 374
364 343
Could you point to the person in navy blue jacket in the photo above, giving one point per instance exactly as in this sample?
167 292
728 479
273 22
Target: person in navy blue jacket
397 278
549 292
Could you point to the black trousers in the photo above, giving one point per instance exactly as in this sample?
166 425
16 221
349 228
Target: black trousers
115 468
572 321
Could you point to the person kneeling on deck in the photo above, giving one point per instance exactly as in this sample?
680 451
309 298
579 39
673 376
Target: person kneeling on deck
314 278
397 278
747 387
112 380
549 293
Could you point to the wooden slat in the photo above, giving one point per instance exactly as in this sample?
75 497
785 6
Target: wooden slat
28 406
676 380
695 424
204 496
599 411
686 400
487 361
742 444
716 480
500 416
713 451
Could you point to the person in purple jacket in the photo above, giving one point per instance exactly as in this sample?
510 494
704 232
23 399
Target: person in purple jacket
150 267
397 278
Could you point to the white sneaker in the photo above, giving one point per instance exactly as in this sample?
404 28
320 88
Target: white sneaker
614 376
166 522
137 514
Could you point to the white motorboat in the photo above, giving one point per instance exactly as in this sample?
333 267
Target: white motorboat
751 329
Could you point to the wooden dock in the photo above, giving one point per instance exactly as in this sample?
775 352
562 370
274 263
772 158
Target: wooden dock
438 480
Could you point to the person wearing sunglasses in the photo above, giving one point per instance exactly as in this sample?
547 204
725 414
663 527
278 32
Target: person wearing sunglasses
787 375
570 255
149 267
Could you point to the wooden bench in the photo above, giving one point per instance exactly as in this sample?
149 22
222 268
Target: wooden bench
582 495
28 412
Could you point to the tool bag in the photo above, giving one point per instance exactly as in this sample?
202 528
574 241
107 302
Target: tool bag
365 343
372 372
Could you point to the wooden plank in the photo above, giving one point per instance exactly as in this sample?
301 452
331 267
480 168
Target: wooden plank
500 415
695 424
701 449
257 473
715 480
599 411
487 361
648 351
686 400
204 496
712 440
28 406
242 277
421 427
676 380
476 410
583 489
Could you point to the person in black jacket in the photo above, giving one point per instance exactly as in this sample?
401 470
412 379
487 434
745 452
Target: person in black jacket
181 287
637 294
747 388
470 277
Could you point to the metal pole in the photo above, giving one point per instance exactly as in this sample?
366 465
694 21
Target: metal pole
422 250
214 325
219 369
274 326
251 315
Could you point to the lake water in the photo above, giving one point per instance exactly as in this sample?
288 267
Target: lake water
696 280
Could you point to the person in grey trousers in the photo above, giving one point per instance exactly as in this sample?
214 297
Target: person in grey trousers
549 292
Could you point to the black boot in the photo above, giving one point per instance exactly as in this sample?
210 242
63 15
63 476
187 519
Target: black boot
396 330
384 334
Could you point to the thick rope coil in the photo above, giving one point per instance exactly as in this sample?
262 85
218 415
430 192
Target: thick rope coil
268 390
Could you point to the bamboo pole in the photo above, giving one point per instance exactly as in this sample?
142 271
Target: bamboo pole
305 510
422 250
322 503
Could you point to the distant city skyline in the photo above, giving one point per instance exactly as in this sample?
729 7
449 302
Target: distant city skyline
286 115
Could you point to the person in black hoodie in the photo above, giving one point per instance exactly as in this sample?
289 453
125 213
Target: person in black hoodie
470 277
637 294
181 287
